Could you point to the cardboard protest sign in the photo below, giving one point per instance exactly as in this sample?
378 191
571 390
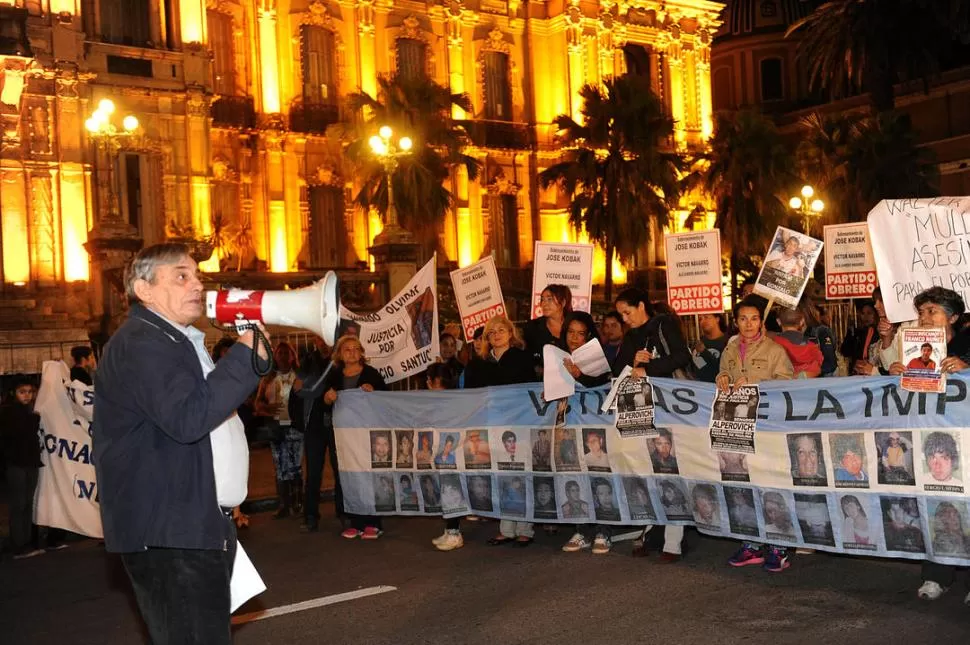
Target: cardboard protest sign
694 272
921 351
568 264
918 244
787 267
850 268
478 294
734 417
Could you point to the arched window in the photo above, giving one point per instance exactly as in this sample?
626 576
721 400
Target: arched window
498 93
319 62
412 58
637 59
223 52
328 231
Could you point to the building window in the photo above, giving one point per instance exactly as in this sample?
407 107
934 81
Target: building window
223 53
637 59
328 232
498 91
771 81
131 197
503 229
319 65
126 22
412 58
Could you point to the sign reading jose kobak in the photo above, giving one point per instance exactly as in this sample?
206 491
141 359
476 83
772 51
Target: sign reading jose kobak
694 272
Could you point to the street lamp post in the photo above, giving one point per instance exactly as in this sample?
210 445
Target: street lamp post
810 209
107 138
389 152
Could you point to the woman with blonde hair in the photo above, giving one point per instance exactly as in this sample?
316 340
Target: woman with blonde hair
351 371
502 360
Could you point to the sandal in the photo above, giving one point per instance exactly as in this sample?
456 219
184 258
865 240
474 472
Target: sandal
499 540
523 541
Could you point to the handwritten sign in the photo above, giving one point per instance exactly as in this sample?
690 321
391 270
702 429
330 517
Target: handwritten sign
850 269
918 244
694 272
478 294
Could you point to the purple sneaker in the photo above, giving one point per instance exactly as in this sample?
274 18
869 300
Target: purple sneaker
747 554
776 560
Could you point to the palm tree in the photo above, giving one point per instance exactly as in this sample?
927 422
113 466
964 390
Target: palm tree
420 109
749 166
854 45
619 171
856 161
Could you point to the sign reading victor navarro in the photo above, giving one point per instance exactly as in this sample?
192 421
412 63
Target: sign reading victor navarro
568 264
478 294
850 268
694 272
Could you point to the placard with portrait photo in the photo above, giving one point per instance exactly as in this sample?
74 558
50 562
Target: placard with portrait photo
384 495
896 458
511 490
380 448
424 457
807 459
404 448
860 525
742 514
565 450
777 514
544 504
478 455
430 492
510 455
407 493
574 493
814 520
541 450
706 506
941 462
452 495
663 452
849 459
949 528
639 504
902 524
446 456
480 493
605 506
594 450
674 499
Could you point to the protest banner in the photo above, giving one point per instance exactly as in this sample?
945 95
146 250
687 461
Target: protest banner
734 420
478 294
918 244
401 338
694 272
921 351
67 489
787 267
568 264
815 439
850 268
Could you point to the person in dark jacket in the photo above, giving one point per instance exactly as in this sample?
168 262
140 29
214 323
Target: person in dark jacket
708 349
20 440
350 371
315 418
653 346
855 345
556 302
169 451
503 361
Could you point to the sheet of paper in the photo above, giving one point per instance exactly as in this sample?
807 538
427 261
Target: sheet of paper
590 359
557 382
245 582
610 401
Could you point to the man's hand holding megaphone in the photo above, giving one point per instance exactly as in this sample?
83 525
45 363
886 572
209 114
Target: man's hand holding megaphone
248 338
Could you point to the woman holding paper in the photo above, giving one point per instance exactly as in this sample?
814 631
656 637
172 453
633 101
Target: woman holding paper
580 329
750 358
556 302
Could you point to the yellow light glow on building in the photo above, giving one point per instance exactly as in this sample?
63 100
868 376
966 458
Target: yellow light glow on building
201 209
464 222
16 261
277 231
268 62
74 222
62 6
374 228
192 13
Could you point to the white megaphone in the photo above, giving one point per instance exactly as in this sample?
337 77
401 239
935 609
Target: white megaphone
315 308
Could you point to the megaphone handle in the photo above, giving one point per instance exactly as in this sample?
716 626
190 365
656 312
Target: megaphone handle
260 366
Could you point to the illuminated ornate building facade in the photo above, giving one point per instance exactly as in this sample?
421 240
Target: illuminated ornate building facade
233 101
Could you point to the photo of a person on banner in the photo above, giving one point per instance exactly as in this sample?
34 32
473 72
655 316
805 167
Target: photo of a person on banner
653 346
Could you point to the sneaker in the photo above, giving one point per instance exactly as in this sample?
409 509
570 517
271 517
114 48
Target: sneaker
371 533
577 542
932 590
746 555
669 558
776 560
27 553
601 545
440 539
351 533
452 541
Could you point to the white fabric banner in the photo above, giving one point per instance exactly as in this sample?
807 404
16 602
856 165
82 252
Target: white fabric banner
850 269
694 272
568 264
478 294
401 338
67 490
918 244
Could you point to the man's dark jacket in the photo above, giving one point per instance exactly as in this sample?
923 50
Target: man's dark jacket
153 412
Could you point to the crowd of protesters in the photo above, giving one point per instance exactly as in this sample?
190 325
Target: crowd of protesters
294 403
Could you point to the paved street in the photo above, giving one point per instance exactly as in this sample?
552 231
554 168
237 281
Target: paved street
505 595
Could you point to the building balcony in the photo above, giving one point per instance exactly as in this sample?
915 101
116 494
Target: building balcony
503 135
236 112
313 118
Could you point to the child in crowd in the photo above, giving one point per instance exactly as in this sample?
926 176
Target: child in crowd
20 438
805 356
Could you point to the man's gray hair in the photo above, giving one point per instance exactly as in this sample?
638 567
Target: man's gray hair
147 261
